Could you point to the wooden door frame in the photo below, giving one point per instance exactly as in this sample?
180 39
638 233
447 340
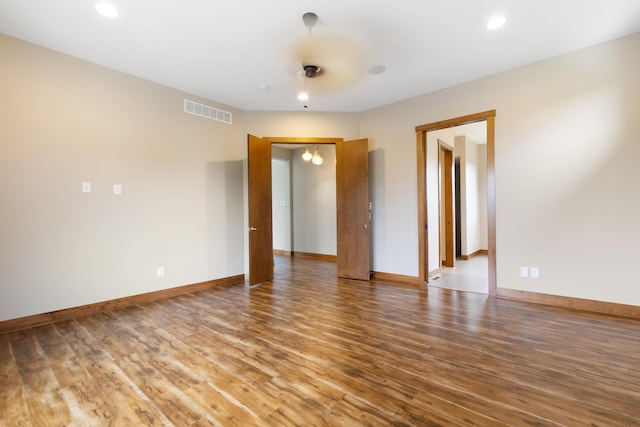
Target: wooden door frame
421 148
297 140
446 170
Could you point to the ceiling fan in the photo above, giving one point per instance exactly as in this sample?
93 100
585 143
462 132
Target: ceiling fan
327 63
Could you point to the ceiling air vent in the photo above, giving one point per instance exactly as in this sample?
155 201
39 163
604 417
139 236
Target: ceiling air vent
206 111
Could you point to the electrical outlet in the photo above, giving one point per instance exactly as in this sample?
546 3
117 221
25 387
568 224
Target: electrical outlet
160 271
524 271
535 272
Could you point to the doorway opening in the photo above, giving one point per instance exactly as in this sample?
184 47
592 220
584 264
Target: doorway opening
282 205
443 175
352 206
462 209
304 201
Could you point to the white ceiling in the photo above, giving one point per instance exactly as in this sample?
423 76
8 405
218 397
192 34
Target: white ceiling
225 51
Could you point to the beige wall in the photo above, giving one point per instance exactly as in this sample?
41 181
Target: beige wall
314 202
65 121
567 154
281 202
302 124
473 194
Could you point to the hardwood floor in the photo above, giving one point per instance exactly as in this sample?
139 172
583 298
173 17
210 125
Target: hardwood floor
311 349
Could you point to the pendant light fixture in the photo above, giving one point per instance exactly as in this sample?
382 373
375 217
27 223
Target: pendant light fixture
306 156
316 159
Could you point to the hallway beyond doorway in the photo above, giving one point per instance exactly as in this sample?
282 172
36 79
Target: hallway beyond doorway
467 275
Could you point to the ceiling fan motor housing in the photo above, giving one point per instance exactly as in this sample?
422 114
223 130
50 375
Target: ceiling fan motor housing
310 19
311 71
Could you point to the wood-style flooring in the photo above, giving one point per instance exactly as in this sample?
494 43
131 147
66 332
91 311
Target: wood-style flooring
310 349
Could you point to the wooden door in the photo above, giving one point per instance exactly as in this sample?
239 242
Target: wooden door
447 198
260 225
352 202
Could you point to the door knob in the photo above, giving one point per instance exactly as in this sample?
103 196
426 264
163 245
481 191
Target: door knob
253 229
365 226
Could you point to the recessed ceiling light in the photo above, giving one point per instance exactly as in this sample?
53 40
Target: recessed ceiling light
496 22
106 10
303 96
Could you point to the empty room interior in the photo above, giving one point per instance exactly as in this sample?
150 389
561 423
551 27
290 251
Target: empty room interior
290 213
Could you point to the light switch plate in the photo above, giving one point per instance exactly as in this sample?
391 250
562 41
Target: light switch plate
117 189
86 187
524 271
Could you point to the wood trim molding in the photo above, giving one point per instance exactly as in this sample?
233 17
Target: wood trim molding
322 257
423 232
474 254
298 140
491 204
400 278
463 120
18 324
604 307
